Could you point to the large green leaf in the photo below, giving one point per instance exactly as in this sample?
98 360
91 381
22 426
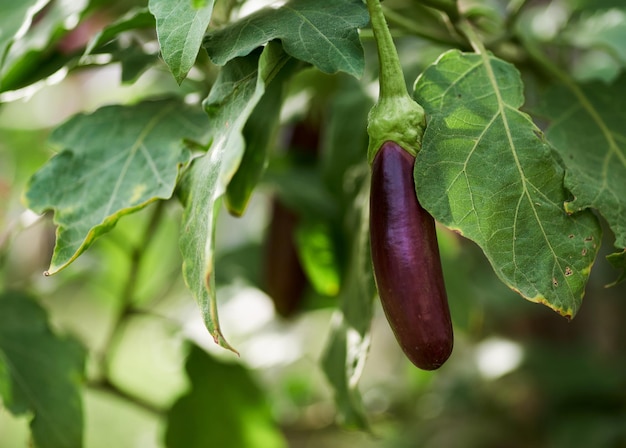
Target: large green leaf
180 28
223 408
323 33
237 91
42 373
587 128
114 161
485 171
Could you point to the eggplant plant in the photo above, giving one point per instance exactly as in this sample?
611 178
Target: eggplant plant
474 125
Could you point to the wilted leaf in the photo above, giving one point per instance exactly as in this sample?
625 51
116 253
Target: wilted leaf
223 408
322 33
237 91
587 129
485 171
115 161
180 28
42 373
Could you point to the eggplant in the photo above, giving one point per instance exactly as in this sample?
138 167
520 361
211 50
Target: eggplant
285 280
406 261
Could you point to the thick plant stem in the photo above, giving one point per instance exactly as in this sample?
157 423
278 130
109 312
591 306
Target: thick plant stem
396 116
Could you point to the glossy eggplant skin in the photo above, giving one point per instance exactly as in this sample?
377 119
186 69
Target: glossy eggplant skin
406 260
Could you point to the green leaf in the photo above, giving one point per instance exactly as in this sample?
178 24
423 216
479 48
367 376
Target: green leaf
257 133
605 29
34 56
583 5
14 16
136 18
349 339
115 161
587 129
301 188
485 171
180 29
348 133
344 162
135 61
316 250
618 261
134 57
237 91
44 373
223 408
322 33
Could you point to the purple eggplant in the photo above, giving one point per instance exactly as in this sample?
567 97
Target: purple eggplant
285 280
406 260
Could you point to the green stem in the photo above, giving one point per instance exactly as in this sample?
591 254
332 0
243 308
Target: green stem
128 292
410 27
108 387
470 33
450 7
396 116
391 76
